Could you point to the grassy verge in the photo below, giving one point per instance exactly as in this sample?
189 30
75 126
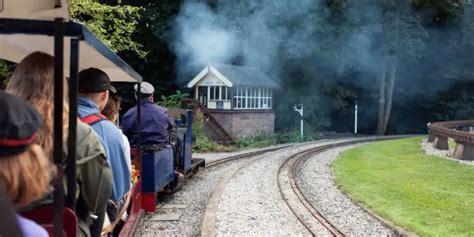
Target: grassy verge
421 193
204 144
267 139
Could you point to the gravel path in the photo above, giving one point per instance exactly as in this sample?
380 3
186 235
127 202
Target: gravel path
316 181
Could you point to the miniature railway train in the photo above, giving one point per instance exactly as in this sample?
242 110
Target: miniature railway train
23 30
158 169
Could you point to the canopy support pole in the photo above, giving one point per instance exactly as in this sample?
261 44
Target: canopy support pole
58 124
72 134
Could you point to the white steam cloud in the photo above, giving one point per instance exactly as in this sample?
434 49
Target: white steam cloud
252 33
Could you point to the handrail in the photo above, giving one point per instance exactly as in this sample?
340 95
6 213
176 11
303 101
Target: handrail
447 129
221 132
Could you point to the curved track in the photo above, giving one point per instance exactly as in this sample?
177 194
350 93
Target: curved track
244 155
306 213
195 197
302 208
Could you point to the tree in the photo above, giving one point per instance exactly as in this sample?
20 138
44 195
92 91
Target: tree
114 25
399 36
154 31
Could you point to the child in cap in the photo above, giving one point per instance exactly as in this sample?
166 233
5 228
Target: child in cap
25 172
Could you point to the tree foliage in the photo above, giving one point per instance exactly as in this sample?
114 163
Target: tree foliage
431 42
174 100
6 68
114 25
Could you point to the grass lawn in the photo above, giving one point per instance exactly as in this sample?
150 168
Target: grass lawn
421 193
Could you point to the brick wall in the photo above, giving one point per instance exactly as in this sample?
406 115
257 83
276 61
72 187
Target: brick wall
246 123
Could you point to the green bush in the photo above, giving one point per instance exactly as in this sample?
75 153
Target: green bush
294 136
260 140
202 142
268 139
173 101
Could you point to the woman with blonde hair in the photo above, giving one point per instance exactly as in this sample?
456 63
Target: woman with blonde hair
25 172
33 81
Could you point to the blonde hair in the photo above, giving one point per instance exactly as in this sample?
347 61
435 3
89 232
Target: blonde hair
26 177
33 81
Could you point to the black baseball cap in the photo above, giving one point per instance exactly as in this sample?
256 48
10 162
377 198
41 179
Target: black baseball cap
93 80
18 125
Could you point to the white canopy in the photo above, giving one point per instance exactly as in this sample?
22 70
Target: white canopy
92 52
34 9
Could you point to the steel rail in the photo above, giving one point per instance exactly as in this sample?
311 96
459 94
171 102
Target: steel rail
244 155
297 191
293 162
209 218
254 153
448 129
208 224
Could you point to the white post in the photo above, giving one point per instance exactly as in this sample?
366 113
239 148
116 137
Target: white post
300 111
355 118
301 123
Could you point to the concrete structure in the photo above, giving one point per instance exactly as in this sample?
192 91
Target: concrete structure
240 99
460 131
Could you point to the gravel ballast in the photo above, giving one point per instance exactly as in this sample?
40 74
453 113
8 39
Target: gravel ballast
317 183
251 203
190 202
194 196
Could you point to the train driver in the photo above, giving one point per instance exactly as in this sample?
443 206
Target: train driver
157 127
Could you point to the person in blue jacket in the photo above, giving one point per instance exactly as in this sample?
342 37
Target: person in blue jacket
157 127
94 87
158 131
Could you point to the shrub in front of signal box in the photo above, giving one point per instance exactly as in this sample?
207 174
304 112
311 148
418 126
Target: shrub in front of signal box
262 139
202 143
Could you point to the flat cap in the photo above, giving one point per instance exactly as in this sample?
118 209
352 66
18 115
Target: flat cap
18 125
93 80
146 88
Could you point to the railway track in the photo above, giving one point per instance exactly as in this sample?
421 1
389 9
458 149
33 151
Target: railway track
288 172
244 155
307 214
209 219
199 189
304 211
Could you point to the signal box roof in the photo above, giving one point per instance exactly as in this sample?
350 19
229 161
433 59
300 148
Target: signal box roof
232 75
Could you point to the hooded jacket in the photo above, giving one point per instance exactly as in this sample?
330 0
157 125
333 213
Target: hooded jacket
94 176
